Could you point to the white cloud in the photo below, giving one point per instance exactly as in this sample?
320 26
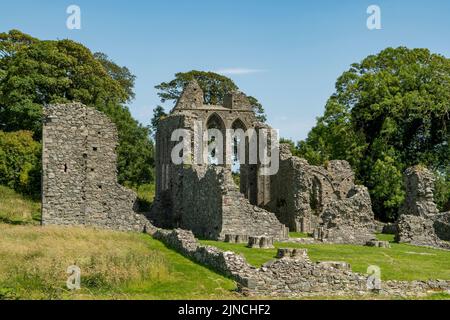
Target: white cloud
238 71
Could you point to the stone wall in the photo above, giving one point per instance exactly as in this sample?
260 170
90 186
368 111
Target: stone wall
419 222
419 185
211 205
292 274
202 197
79 182
321 200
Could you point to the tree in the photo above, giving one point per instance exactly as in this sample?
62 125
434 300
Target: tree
20 162
36 73
158 114
214 86
389 112
120 74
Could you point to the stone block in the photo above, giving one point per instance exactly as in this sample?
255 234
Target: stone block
378 244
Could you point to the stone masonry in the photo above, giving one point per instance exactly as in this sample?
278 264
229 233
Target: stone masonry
203 197
420 223
79 183
419 185
321 200
292 274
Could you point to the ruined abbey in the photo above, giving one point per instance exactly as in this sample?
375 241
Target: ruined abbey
204 200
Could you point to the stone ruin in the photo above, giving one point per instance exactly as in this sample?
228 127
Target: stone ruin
420 223
80 188
324 201
79 182
292 273
205 199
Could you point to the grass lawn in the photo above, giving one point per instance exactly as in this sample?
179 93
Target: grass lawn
401 262
17 209
117 265
114 265
298 235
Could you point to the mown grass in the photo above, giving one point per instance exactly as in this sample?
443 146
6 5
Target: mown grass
113 265
146 195
18 209
298 235
401 262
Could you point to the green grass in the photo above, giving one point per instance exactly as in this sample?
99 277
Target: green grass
386 237
18 209
188 280
146 195
298 235
401 262
114 265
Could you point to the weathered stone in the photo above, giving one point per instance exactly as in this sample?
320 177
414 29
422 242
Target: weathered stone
233 238
266 243
79 182
293 274
292 253
390 228
260 242
419 222
335 264
321 200
378 244
442 225
419 184
416 230
203 197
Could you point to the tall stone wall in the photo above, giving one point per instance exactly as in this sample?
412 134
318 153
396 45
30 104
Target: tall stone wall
419 186
210 205
79 182
420 223
321 200
203 197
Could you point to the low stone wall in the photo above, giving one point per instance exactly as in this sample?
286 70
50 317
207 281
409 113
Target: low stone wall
419 231
442 226
293 274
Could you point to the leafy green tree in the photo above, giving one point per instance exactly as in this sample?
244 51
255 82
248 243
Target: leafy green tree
214 86
158 114
120 74
389 112
36 73
20 162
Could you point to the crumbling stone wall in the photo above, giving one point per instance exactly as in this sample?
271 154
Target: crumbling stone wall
419 185
201 197
79 182
321 200
419 222
292 274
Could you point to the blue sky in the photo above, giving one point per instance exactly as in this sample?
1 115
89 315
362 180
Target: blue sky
288 54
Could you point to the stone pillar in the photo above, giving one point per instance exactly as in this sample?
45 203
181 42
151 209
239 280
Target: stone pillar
419 184
260 242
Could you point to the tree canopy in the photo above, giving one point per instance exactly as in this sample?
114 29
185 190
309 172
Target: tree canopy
35 73
389 112
214 86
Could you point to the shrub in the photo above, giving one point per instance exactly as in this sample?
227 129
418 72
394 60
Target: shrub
20 162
